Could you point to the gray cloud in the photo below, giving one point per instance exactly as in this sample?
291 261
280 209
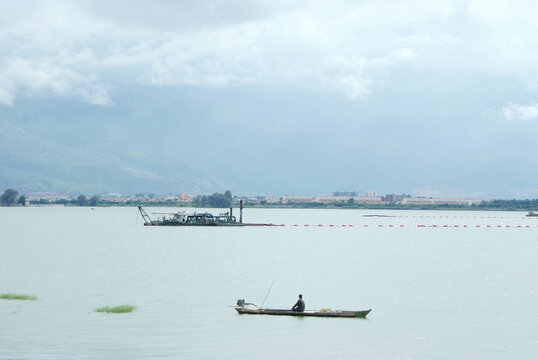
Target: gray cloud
340 46
181 15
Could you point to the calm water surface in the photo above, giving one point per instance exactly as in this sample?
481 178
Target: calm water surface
436 293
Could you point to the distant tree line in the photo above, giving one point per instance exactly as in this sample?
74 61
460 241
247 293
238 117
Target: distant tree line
522 205
217 200
11 197
82 201
527 204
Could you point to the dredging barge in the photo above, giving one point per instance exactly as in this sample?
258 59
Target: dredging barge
182 218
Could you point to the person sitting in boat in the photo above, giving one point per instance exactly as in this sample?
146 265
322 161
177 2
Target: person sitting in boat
299 305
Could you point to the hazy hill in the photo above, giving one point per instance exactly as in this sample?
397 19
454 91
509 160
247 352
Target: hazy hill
174 139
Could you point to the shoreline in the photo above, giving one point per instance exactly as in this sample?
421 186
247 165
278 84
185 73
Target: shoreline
301 206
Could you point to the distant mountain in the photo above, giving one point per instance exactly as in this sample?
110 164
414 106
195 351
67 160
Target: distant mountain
258 141
74 156
158 141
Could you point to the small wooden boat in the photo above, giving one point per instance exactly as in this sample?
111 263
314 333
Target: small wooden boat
241 309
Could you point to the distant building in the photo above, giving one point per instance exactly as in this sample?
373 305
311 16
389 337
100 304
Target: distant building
434 201
171 197
296 198
372 194
367 199
185 197
272 199
48 196
345 193
331 199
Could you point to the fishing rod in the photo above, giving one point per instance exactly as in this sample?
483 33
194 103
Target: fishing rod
268 293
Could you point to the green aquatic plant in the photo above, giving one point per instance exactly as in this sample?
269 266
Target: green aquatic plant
117 309
17 297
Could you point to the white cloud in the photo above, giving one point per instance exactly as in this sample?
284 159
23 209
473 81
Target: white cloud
520 112
342 46
42 77
6 96
219 43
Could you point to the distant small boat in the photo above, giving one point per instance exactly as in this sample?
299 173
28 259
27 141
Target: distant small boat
532 213
241 309
376 215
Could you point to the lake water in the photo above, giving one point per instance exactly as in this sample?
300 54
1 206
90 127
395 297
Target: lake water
436 292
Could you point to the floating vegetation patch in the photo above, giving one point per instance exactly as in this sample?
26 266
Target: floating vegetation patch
17 297
117 309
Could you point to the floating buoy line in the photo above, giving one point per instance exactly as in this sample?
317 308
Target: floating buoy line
442 221
496 226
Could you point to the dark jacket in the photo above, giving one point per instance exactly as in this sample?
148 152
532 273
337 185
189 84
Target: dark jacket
299 306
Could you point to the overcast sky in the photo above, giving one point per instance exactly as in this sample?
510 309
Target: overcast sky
451 85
